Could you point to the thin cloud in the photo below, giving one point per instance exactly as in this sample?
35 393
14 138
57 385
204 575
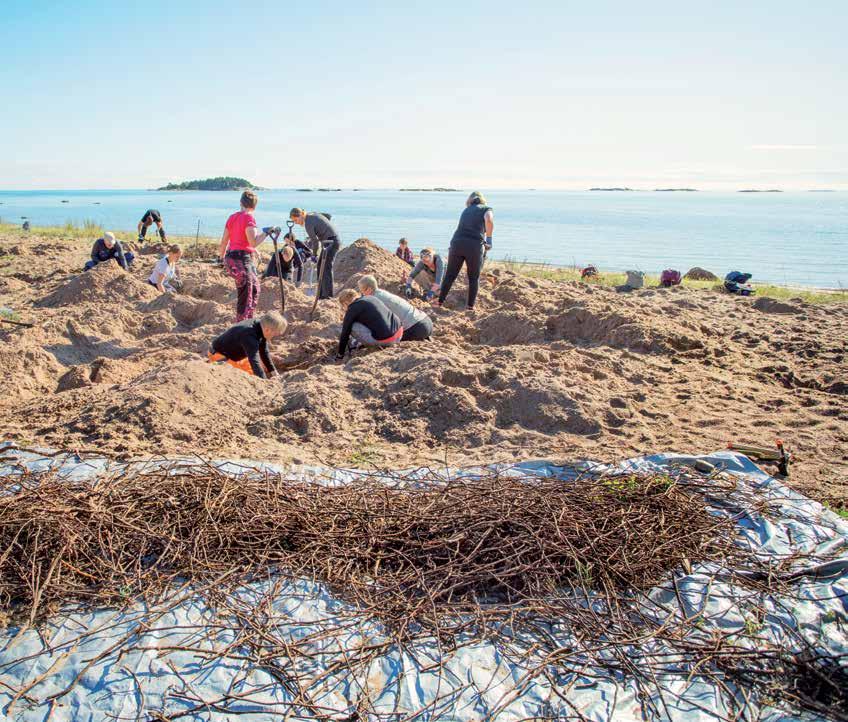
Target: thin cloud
783 147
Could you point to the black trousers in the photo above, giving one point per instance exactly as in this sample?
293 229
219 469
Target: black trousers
471 254
328 255
421 331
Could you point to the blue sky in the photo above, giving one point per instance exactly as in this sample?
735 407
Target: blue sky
493 95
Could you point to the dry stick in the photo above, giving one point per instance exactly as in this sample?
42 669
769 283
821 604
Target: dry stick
17 323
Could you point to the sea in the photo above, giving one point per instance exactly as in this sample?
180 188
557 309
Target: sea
789 238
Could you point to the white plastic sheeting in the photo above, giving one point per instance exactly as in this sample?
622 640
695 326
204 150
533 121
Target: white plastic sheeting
142 661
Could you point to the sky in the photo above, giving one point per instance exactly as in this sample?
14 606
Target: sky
719 95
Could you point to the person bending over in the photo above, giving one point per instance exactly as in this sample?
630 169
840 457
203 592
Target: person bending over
472 235
245 345
238 245
324 238
404 252
433 265
164 277
148 219
287 259
293 256
416 324
368 320
106 249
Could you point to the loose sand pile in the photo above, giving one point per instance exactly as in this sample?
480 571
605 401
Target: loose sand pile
540 369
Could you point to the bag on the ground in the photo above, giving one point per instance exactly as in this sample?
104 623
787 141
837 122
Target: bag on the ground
737 282
635 279
669 277
589 272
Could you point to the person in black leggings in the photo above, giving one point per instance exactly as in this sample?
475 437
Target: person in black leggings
473 233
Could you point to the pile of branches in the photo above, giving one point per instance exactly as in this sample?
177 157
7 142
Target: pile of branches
514 560
408 553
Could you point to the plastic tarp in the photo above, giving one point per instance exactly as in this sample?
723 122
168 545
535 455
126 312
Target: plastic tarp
134 663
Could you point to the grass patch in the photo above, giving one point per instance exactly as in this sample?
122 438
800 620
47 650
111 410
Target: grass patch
610 279
839 511
88 226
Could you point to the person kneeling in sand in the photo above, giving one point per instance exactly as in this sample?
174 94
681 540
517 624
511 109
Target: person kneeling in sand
417 325
164 277
368 319
245 345
106 249
432 264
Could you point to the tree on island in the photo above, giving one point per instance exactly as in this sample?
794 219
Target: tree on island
221 183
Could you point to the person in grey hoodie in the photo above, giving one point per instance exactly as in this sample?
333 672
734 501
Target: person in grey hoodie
324 240
432 264
417 325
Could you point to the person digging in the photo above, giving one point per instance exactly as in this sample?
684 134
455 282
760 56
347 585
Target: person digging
324 238
107 249
148 219
417 325
164 276
432 264
245 345
368 320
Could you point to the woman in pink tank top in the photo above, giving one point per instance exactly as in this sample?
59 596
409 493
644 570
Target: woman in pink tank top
238 246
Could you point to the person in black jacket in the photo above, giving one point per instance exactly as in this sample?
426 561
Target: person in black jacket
292 256
106 249
369 321
245 345
472 235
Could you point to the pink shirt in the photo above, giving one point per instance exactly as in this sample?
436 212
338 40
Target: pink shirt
237 224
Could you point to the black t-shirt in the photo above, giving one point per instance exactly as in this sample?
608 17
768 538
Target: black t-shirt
245 340
374 315
151 216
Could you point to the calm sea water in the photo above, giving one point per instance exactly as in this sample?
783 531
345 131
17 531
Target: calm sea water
786 238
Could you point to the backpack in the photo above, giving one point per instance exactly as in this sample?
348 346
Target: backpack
669 277
736 282
589 272
635 279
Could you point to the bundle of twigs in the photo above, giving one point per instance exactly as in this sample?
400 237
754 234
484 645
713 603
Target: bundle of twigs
403 552
518 561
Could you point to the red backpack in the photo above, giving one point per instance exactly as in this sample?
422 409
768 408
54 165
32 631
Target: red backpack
669 277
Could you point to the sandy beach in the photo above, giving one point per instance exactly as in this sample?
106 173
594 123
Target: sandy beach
541 369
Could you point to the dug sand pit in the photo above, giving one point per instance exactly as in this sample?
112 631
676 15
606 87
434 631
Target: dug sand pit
540 369
178 401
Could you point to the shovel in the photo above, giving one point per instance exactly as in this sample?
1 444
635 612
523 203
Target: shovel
275 234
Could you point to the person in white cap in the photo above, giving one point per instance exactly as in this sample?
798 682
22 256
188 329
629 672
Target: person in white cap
108 248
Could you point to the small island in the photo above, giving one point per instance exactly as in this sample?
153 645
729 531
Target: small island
675 190
221 183
610 189
757 190
430 190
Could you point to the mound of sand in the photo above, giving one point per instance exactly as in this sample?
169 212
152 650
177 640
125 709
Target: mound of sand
770 305
539 369
106 283
700 274
364 257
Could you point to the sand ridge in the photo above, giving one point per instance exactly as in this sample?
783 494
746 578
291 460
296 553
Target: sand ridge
539 369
